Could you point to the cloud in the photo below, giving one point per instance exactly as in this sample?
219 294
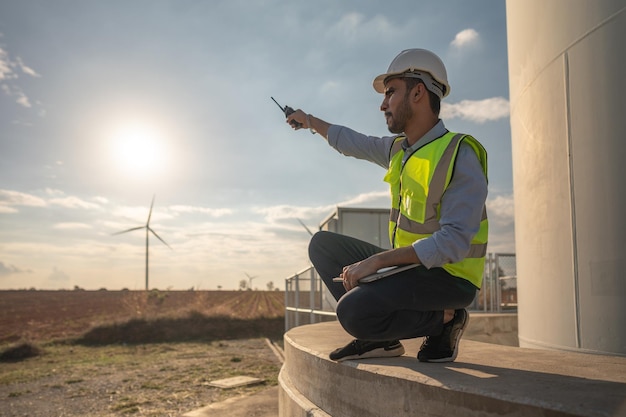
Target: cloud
53 192
285 211
58 275
465 38
140 214
9 72
6 72
71 226
478 111
8 67
26 69
23 100
354 27
73 202
7 210
9 198
11 269
15 91
501 209
367 198
330 87
203 210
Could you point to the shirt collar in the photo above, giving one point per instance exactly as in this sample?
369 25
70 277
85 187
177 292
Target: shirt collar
436 132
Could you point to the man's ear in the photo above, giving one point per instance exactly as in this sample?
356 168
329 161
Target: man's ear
418 91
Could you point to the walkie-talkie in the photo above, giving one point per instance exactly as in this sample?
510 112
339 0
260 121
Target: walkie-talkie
288 110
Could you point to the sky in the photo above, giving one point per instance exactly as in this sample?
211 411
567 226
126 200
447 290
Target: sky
105 105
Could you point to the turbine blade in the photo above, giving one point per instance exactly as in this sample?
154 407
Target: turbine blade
129 230
159 237
150 214
304 225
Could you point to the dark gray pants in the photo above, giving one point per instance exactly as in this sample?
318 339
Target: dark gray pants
403 306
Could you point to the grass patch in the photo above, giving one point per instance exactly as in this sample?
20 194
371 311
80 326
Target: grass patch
142 380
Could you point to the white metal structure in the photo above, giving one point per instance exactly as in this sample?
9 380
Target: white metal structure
368 224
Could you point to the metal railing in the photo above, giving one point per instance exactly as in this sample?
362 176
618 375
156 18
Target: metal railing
308 301
498 293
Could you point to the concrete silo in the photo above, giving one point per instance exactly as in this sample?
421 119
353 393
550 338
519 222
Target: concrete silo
567 75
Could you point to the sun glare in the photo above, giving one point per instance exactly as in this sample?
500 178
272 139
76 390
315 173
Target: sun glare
139 150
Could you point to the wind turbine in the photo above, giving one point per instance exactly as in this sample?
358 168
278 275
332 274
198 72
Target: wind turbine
250 279
148 229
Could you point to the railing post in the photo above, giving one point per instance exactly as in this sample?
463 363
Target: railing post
297 300
496 274
312 288
287 304
492 292
486 283
320 290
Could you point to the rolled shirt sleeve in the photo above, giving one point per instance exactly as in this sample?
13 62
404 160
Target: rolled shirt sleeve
352 143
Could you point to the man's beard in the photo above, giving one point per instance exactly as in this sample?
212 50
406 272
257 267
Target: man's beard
400 117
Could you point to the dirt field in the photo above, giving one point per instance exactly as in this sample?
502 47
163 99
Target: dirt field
45 315
114 353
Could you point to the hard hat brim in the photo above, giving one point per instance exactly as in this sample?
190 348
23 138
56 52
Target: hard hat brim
379 82
444 88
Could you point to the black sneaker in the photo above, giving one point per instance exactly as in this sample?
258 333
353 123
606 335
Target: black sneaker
361 349
445 347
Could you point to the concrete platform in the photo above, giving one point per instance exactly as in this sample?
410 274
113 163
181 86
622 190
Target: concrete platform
486 380
262 404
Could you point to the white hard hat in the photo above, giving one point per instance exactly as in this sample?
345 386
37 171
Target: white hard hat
417 63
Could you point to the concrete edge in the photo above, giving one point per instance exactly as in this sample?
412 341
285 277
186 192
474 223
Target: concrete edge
292 403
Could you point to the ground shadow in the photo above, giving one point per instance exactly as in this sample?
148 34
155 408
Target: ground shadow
511 388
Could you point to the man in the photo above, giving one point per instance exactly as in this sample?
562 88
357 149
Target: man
438 182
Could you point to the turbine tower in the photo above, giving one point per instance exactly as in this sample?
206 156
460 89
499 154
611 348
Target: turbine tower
148 231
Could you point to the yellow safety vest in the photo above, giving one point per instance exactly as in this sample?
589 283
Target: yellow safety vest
417 187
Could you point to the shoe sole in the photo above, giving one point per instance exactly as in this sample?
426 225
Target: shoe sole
456 347
375 353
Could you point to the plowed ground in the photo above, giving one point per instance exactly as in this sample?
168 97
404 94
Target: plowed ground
46 315
108 353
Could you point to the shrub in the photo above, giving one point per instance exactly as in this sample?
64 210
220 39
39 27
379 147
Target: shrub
20 352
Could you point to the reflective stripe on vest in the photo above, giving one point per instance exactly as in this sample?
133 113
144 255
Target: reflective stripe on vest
427 228
415 209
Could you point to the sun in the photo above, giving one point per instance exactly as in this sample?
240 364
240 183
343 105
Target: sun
139 150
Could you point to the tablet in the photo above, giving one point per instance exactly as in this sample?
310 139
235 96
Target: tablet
381 273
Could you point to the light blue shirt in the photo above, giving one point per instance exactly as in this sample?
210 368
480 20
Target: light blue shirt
461 205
